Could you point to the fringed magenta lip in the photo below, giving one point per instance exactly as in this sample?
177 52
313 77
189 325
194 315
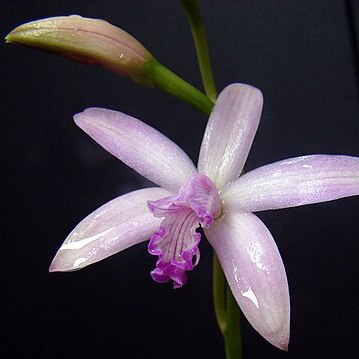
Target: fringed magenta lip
176 241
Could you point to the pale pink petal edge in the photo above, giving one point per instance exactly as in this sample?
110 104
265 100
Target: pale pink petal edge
230 132
139 146
112 228
294 182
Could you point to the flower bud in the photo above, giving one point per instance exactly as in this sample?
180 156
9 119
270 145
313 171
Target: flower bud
85 40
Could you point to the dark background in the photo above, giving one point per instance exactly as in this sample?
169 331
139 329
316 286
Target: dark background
300 53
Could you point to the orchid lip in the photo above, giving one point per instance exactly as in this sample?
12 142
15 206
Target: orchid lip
176 241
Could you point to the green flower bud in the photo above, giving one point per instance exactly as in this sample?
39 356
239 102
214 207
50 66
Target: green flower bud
85 40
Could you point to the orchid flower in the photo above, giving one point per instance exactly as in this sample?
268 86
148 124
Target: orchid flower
213 197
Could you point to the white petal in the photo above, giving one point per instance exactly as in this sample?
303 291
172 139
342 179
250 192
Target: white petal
117 225
294 182
139 146
255 273
230 132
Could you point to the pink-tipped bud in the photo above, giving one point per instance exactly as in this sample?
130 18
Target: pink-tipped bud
90 41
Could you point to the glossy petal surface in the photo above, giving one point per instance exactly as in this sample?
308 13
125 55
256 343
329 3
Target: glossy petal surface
255 272
117 225
294 182
230 132
139 146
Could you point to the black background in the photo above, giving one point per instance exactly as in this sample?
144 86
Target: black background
299 52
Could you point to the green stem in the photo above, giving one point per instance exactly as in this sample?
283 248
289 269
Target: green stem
227 313
199 36
160 76
232 335
219 290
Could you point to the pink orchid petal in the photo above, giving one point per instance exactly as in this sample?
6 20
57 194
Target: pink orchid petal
117 225
230 132
255 273
139 146
294 182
